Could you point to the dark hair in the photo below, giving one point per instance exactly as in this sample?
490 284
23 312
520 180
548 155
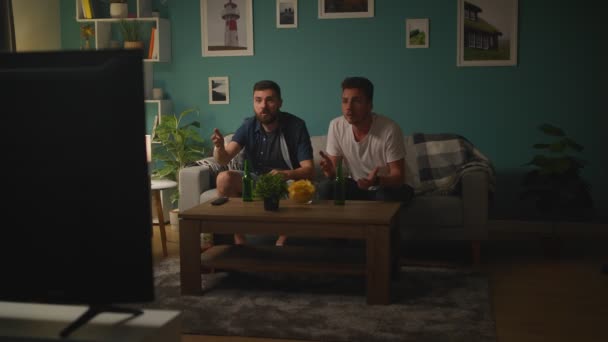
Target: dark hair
267 84
360 83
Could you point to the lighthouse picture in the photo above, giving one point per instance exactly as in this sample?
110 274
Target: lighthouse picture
230 14
227 27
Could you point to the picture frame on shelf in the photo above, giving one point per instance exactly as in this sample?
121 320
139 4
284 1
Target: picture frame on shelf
339 9
227 35
487 33
287 13
417 33
219 90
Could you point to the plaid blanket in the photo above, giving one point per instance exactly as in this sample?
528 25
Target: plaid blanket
214 167
442 161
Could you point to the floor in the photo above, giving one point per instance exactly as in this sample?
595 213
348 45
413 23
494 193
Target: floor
542 290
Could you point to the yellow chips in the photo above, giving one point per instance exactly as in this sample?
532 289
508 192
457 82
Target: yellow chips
301 191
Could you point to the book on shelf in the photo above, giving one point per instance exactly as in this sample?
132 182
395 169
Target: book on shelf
87 9
152 41
155 47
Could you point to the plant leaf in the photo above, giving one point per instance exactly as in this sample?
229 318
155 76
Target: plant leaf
551 130
558 146
541 146
573 144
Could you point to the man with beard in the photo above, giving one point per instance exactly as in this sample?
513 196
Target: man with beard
275 142
370 145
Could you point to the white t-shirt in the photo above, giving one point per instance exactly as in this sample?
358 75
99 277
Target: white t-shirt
382 145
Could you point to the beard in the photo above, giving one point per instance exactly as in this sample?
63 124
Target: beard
268 118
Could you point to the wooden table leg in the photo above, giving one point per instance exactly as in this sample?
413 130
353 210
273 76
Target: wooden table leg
395 251
190 257
378 264
161 220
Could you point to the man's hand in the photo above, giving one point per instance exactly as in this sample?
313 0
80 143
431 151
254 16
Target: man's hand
217 138
365 183
283 173
327 166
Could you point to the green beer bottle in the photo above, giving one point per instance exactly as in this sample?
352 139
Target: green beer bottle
247 183
339 185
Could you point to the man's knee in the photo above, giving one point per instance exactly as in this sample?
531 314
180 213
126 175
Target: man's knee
228 183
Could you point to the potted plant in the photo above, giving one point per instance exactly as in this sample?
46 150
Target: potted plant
119 9
131 34
177 145
555 183
271 188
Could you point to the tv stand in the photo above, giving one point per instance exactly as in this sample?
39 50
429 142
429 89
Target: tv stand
31 322
93 311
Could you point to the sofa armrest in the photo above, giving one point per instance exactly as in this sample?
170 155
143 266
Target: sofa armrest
193 181
475 193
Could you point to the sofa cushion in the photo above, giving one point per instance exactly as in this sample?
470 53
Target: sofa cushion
208 195
423 210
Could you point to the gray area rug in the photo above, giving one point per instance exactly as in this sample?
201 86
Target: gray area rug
429 304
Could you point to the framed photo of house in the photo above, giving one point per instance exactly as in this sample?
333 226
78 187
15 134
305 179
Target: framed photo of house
227 28
340 9
417 33
219 90
287 13
487 32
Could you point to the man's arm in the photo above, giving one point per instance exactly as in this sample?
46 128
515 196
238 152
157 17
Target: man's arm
396 174
223 154
328 164
395 177
305 171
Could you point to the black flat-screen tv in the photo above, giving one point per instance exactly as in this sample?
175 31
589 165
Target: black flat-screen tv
76 178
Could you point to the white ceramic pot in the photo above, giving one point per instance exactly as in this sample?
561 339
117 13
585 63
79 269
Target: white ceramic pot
174 219
119 10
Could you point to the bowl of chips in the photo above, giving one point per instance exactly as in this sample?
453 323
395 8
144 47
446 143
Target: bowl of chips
301 191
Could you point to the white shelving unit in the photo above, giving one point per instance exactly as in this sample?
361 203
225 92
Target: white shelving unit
164 106
103 37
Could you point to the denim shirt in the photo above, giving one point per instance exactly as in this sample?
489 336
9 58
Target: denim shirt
293 129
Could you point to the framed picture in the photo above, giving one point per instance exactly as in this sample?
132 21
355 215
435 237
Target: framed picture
340 9
227 28
416 33
287 13
219 90
487 32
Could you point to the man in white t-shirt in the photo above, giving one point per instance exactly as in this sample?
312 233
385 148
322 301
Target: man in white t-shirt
370 145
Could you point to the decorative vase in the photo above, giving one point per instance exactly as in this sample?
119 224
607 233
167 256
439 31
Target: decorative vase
174 219
271 203
119 10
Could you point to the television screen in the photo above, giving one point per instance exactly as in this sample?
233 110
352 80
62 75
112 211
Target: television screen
75 175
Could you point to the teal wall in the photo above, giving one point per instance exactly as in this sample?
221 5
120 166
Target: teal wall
557 79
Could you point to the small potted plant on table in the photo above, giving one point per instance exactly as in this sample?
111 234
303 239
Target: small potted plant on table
271 188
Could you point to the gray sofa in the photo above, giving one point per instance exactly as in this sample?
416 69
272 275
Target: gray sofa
427 217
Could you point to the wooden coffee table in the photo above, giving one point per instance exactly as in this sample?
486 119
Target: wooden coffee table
374 222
